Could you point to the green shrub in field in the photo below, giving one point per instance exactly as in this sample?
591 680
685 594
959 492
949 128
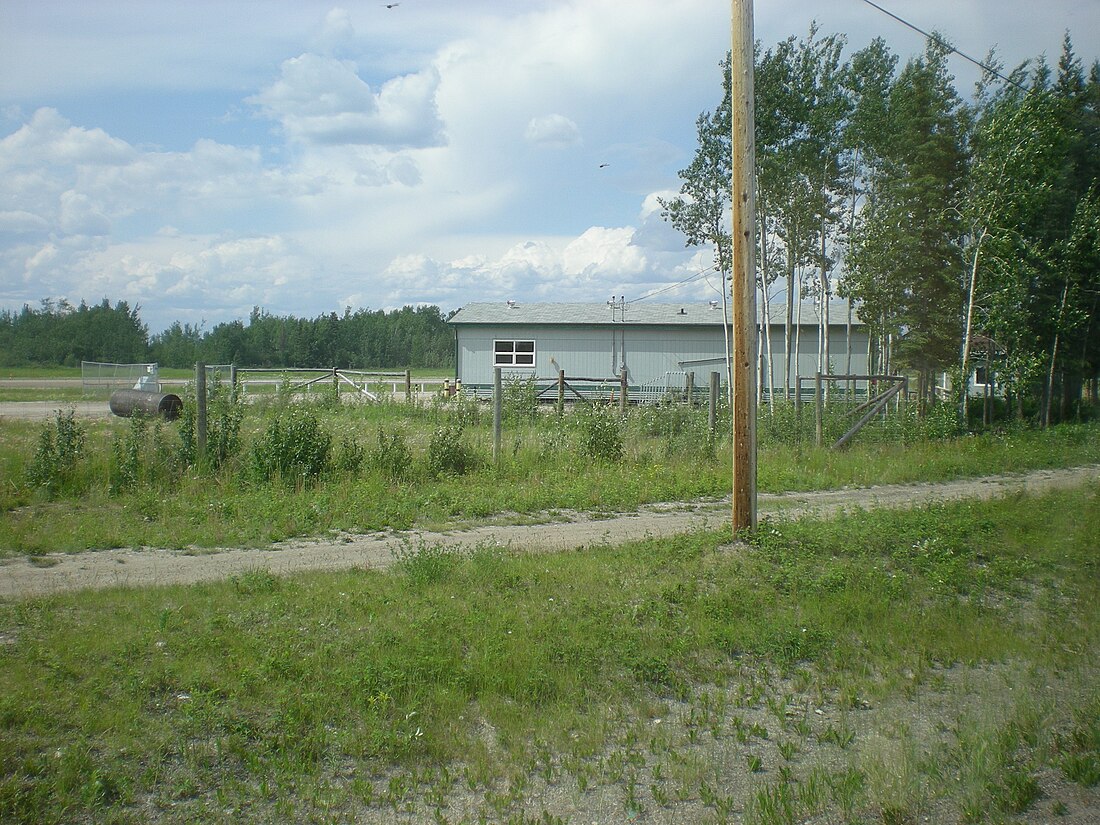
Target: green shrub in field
351 456
941 421
294 446
601 429
448 452
426 564
224 412
683 429
392 457
462 410
126 453
142 457
519 400
778 423
61 446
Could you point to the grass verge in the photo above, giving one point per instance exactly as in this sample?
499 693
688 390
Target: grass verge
892 666
129 487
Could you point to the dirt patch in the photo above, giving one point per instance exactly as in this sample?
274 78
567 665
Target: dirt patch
22 577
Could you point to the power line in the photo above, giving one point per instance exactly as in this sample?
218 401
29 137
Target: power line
937 39
687 280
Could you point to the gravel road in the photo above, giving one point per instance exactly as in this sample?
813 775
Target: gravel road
22 577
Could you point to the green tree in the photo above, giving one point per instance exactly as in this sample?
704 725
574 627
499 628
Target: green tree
701 211
1018 167
908 256
866 140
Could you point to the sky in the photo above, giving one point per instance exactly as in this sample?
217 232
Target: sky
198 159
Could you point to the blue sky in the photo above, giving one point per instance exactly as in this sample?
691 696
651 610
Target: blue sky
202 158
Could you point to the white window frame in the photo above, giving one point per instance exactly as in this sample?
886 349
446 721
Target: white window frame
510 356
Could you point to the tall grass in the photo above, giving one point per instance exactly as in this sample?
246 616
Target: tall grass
390 465
786 678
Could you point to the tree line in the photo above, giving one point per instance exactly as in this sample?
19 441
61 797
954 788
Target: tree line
964 232
57 333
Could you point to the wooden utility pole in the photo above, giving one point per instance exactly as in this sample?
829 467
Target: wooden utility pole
743 199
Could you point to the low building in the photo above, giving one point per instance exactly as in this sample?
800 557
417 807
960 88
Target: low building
658 345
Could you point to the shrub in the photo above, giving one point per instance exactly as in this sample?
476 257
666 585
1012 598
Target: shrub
351 456
683 429
519 401
224 412
601 429
426 564
294 446
464 411
392 457
60 449
125 472
448 452
941 421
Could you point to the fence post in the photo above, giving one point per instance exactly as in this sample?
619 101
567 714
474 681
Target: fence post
691 389
233 377
622 391
561 391
819 425
408 385
712 418
498 392
200 413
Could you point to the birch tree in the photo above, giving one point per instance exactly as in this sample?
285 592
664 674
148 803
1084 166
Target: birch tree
701 211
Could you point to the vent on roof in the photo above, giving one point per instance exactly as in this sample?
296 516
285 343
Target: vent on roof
682 311
511 304
714 305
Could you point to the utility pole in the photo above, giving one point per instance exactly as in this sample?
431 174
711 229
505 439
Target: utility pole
743 199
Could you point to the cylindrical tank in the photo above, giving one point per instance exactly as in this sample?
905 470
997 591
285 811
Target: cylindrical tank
128 403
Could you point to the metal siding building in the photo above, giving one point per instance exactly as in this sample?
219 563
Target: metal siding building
657 343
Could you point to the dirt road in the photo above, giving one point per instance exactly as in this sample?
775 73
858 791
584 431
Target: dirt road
150 566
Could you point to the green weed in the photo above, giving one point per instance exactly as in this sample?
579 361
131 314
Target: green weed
61 447
295 446
601 432
448 452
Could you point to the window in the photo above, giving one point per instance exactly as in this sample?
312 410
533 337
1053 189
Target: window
513 353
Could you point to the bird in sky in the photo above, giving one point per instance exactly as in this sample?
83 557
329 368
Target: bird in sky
602 165
392 5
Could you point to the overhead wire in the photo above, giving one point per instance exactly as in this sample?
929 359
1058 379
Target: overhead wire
935 38
669 287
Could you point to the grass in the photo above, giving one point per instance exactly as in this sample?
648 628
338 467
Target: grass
59 396
667 456
37 373
893 666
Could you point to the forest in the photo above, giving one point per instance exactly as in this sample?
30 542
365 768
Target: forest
57 333
966 231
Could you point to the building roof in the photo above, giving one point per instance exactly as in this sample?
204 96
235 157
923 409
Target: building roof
640 313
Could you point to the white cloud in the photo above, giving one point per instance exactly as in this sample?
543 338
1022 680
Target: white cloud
600 251
337 32
79 216
48 138
408 156
19 222
553 130
322 100
45 256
